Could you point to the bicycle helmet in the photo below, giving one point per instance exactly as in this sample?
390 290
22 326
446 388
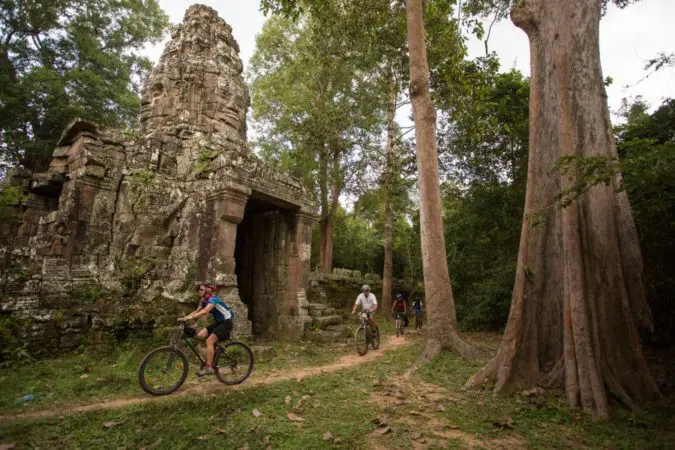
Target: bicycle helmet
399 296
210 285
364 287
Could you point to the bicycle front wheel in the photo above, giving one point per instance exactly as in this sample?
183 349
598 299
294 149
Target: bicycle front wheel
163 370
361 341
398 327
375 338
233 363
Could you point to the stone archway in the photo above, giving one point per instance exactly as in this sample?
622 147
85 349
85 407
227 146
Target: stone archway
260 262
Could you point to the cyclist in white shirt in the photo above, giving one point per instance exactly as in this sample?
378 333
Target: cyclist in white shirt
368 304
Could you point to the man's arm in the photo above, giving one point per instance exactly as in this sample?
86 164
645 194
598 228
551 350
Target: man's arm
202 312
356 304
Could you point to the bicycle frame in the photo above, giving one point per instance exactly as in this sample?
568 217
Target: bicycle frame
364 318
191 346
188 340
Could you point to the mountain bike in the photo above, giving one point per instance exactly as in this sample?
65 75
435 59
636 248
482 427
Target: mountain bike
418 319
399 323
365 334
165 368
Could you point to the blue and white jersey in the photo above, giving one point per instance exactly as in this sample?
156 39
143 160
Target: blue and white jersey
220 310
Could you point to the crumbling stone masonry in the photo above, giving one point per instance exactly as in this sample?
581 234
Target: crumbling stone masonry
116 234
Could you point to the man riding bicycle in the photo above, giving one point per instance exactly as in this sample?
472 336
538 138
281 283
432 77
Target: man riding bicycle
399 307
368 304
217 331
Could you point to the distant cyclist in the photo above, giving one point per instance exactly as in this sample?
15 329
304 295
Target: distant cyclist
417 311
368 303
217 331
399 307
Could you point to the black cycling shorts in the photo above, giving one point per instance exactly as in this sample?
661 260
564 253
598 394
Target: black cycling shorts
221 329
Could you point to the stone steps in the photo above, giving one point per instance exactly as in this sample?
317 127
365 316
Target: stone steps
322 322
319 309
332 334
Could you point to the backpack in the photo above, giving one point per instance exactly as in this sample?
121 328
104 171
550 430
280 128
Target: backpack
231 310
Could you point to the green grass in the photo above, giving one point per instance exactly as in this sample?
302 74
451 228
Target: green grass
342 403
210 421
545 421
92 375
337 403
81 377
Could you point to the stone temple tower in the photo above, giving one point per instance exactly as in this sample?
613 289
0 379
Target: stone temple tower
197 83
140 218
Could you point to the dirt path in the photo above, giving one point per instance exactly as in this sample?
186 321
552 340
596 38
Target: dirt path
345 362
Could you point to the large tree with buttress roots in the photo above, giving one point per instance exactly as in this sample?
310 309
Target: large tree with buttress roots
578 298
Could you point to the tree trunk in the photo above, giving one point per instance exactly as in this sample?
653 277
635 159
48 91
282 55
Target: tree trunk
388 193
326 251
578 297
328 213
442 321
325 221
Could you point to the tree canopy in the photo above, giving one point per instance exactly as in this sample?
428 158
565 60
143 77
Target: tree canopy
69 58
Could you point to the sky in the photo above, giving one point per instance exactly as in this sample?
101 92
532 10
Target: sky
628 38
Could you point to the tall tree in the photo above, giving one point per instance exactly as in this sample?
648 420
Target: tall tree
578 296
440 304
314 98
384 28
388 28
483 154
389 174
647 151
67 58
441 316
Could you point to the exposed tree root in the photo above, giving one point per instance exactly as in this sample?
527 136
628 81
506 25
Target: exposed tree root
488 372
434 347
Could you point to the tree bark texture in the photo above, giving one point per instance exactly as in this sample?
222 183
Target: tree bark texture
329 178
578 297
325 220
387 271
441 318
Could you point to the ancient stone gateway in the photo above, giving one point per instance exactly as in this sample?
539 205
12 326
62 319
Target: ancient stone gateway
123 225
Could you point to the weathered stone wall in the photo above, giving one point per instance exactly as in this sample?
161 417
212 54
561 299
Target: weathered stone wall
114 236
340 288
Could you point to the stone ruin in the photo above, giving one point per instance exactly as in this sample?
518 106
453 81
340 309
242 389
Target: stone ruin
119 231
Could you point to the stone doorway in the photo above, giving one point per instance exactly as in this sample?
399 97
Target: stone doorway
261 261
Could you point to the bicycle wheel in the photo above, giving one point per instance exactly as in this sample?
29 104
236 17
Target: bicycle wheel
398 327
375 338
233 362
163 370
361 341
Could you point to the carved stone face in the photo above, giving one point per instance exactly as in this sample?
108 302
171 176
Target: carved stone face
198 80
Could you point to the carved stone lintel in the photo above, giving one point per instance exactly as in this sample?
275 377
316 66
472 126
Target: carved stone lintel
305 217
229 204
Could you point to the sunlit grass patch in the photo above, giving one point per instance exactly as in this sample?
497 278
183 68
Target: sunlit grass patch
336 403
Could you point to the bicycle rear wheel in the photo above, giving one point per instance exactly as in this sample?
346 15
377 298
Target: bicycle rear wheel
361 341
163 370
233 362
